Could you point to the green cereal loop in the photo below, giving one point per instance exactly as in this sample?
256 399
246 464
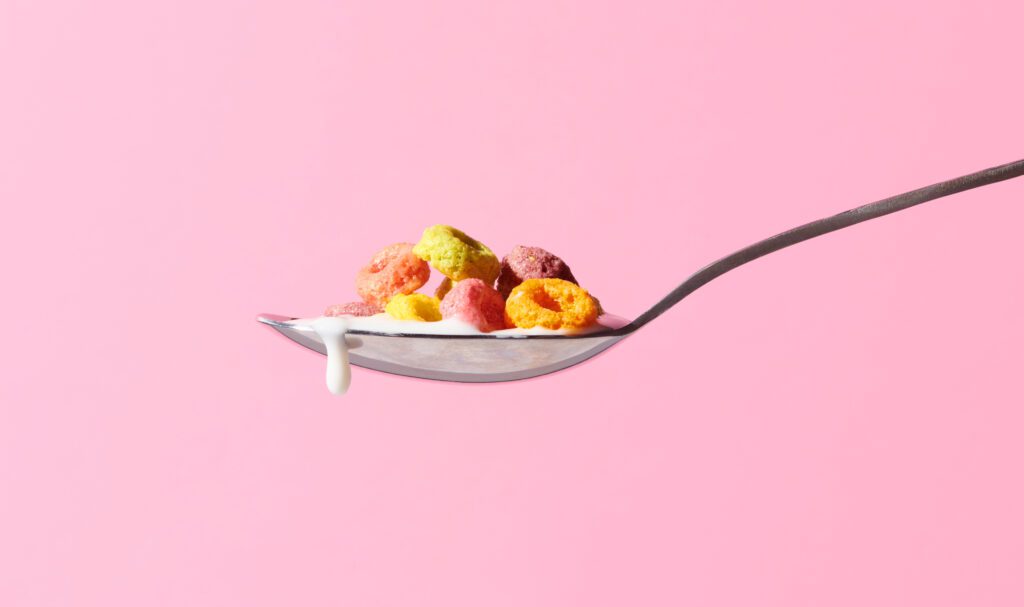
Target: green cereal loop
457 255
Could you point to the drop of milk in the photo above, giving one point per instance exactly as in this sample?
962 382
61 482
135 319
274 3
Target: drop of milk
331 330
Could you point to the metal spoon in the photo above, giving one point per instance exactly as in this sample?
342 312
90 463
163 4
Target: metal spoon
488 358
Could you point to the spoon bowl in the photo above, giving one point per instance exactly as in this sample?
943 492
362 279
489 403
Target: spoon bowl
480 358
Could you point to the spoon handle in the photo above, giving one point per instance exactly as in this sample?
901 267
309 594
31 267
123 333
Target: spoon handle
824 226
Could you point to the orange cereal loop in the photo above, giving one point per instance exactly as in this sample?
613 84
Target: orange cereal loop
443 288
551 303
394 270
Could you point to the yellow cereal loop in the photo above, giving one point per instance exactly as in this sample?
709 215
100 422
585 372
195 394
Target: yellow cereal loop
415 306
457 255
551 303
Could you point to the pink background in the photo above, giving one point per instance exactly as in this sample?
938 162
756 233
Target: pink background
837 424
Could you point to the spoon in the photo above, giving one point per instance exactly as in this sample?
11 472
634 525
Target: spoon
492 358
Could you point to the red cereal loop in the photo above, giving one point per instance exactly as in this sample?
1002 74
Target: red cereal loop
523 263
353 308
473 302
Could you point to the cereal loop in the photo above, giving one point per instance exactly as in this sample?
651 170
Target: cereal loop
416 306
354 308
551 303
475 303
524 263
443 288
392 271
457 255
